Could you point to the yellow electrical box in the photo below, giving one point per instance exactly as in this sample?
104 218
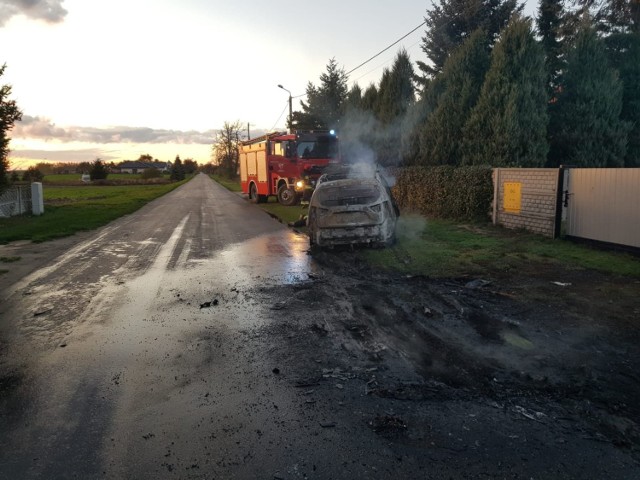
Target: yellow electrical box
512 196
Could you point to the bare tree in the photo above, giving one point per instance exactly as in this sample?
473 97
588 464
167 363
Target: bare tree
225 148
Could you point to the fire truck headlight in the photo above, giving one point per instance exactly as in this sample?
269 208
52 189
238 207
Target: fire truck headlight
299 184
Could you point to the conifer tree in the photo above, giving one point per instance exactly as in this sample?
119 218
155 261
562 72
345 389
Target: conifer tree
177 170
9 114
508 125
325 104
461 80
354 98
397 91
550 26
370 98
587 128
450 22
624 55
98 170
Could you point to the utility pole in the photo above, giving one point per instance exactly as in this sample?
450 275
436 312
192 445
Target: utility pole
290 120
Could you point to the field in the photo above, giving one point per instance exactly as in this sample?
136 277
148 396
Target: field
69 209
113 178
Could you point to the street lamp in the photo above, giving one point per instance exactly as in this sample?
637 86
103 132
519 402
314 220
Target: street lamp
290 108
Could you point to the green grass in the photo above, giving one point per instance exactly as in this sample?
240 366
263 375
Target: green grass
69 209
285 214
76 177
228 183
446 249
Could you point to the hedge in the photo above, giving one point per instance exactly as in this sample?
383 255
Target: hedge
463 193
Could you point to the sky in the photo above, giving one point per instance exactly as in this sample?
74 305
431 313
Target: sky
116 79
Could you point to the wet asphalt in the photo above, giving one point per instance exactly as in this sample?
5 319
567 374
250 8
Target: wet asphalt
198 339
134 355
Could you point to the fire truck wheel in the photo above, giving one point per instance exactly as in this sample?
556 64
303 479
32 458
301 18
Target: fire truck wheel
253 193
286 196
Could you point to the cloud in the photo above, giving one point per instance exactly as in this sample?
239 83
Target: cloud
71 155
50 11
43 129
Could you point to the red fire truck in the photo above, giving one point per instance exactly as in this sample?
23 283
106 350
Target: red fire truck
286 165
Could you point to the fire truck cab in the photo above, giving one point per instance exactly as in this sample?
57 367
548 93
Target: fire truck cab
285 165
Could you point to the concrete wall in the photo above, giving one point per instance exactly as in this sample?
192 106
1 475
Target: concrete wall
526 198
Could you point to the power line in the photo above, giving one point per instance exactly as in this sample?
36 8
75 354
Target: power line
283 110
382 64
382 51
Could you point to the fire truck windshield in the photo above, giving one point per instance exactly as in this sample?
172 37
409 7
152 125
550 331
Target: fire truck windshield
318 147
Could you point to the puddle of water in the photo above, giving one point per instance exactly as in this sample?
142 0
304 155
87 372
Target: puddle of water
279 258
516 340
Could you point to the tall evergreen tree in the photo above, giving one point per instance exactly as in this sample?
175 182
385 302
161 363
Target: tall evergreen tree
609 16
325 104
177 170
397 91
624 54
354 98
508 125
461 79
630 76
395 95
550 26
370 98
99 170
587 128
9 114
450 22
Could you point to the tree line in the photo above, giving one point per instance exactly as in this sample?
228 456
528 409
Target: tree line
100 170
499 89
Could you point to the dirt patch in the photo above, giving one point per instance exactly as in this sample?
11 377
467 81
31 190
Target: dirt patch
522 356
527 374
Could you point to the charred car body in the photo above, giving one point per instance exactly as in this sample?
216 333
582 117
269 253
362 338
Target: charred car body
352 206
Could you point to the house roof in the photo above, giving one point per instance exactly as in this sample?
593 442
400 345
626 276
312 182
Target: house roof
142 165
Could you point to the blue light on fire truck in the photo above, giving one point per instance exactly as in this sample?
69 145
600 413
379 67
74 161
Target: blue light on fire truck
332 132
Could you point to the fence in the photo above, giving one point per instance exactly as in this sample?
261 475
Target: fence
15 200
603 204
599 204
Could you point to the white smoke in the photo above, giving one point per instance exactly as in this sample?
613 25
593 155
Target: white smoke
50 11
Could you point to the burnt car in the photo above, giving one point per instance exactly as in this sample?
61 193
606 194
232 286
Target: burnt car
352 206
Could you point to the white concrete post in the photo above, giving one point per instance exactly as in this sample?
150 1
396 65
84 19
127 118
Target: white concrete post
37 199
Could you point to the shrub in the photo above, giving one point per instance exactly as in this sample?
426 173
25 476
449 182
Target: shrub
32 174
151 173
98 170
445 191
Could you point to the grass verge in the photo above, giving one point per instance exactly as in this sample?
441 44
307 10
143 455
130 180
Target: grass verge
228 183
70 209
445 249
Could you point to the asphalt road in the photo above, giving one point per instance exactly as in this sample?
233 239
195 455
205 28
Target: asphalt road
131 356
198 338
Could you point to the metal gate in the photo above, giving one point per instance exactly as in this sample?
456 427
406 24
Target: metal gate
15 200
603 204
